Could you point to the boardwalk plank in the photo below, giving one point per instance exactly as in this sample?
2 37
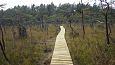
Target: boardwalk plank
61 55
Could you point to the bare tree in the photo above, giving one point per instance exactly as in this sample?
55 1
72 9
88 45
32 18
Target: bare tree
105 8
82 14
13 36
2 5
2 42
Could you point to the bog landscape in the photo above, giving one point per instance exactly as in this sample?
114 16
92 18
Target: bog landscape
65 34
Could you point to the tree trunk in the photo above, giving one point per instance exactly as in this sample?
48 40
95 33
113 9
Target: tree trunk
2 37
13 36
83 27
2 45
109 26
3 51
30 33
107 33
72 29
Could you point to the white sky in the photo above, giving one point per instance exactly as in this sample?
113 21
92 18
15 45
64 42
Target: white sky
12 3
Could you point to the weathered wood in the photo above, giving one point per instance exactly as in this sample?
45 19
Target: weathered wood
61 55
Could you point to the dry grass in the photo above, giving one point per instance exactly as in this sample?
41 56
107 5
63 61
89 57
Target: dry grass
36 49
92 50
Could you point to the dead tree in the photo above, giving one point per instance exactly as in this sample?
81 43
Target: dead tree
22 32
2 45
83 27
30 28
73 33
13 36
82 14
109 25
2 37
71 28
107 32
106 19
2 42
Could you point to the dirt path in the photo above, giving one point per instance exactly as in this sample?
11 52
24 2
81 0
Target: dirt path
61 55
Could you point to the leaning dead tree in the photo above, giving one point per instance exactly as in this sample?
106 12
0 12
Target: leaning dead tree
105 8
2 37
2 42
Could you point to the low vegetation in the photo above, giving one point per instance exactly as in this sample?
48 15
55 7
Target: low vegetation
27 33
92 50
36 49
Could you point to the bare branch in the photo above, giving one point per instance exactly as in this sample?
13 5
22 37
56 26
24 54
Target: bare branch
2 5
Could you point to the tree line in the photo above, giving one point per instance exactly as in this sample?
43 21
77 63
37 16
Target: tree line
51 13
24 16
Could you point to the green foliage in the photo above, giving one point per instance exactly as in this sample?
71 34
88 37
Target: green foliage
92 50
30 50
51 12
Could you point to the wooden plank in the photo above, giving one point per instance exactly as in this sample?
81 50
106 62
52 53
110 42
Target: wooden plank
61 55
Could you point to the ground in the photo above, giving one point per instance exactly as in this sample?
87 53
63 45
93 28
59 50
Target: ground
36 49
93 49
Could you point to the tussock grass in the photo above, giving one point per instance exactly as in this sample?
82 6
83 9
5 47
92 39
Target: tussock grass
30 50
92 50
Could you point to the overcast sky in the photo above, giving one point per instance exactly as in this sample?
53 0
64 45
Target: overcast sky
12 3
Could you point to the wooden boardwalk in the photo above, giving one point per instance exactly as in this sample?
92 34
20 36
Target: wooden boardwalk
61 55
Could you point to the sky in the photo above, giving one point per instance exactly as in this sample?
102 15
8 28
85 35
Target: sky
12 3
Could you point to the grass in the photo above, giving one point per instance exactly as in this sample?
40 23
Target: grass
37 48
30 50
92 50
